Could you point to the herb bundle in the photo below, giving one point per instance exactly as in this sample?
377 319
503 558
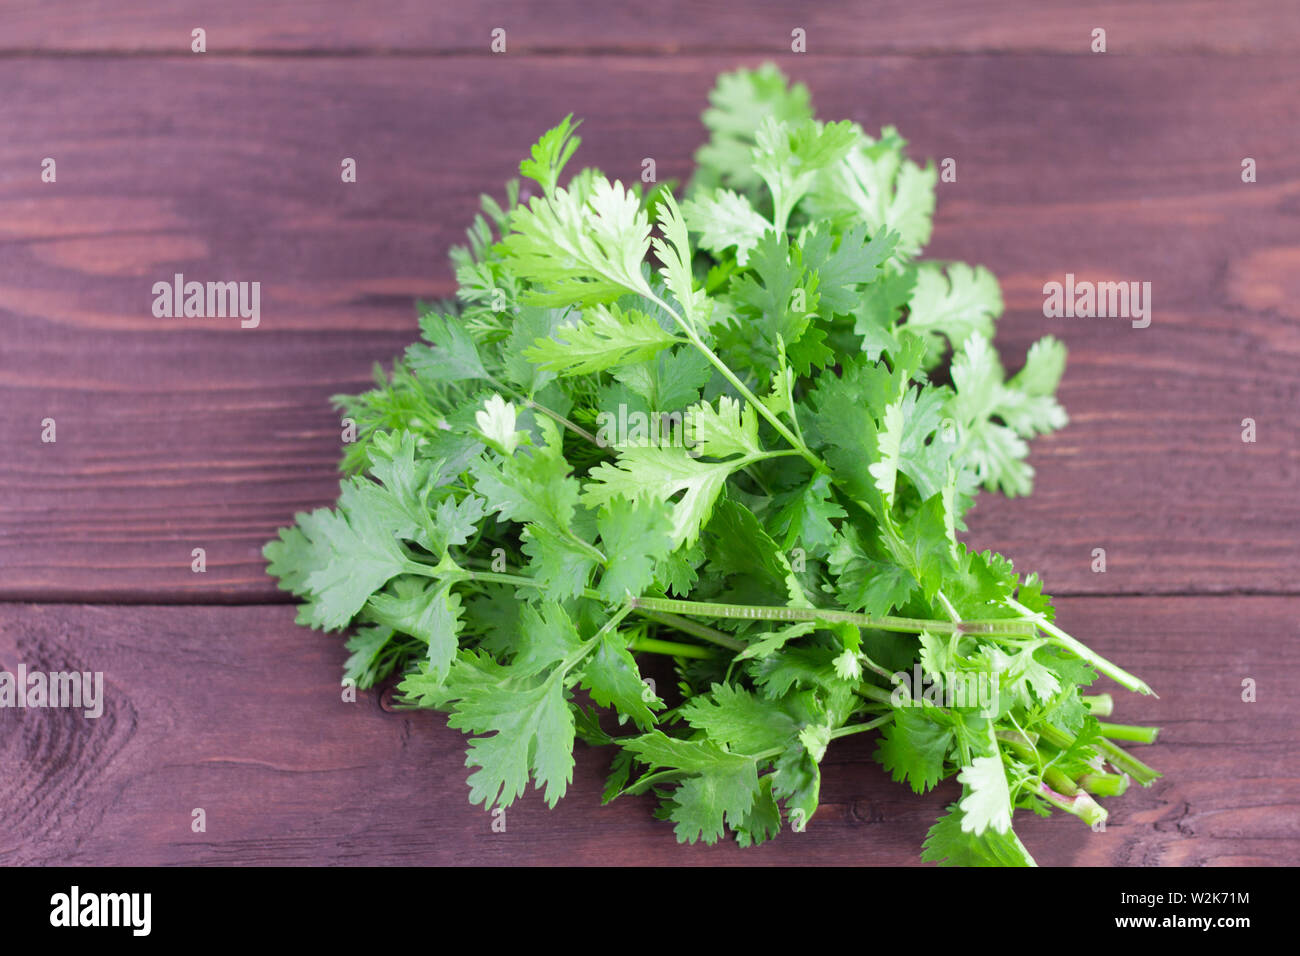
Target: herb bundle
741 431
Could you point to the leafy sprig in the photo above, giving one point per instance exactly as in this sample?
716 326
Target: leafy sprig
717 431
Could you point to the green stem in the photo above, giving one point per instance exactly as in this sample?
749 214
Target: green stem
743 390
859 728
1059 782
753 612
555 416
1125 762
653 645
874 667
494 577
872 692
1141 735
562 669
612 623
1081 805
1099 705
1019 745
637 604
1104 784
691 627
1113 671
1118 758
948 608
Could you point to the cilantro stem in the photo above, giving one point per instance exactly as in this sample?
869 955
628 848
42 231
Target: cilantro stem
772 418
1104 784
907 625
653 645
1141 735
1020 745
1117 757
1113 671
859 728
554 415
1059 782
1125 762
1099 705
874 693
612 623
634 604
1081 804
947 606
835 734
687 626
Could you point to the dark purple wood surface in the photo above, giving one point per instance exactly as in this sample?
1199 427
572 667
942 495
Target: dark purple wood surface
183 433
237 711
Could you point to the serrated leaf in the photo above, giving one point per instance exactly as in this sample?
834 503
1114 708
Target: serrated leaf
739 102
582 245
724 431
987 804
963 302
451 355
949 843
550 153
889 442
913 748
740 721
427 611
612 677
721 788
649 473
603 337
725 219
673 251
496 422
635 537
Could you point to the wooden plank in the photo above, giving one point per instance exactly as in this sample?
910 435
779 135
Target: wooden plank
175 434
710 26
238 712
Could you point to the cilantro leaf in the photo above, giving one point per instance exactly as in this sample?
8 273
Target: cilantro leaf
451 355
739 102
582 245
963 303
913 748
647 472
725 219
605 337
718 788
757 425
431 613
987 804
635 536
950 843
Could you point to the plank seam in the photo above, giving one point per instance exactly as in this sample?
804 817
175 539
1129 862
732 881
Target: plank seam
558 52
216 601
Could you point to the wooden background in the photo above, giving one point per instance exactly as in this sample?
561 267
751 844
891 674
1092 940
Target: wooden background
183 433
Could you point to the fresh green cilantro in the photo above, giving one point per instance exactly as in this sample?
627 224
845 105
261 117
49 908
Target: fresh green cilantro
742 431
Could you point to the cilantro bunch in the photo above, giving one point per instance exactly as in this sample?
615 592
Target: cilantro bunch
741 430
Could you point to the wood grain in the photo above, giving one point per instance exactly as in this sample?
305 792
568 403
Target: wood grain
672 26
176 434
237 711
183 433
